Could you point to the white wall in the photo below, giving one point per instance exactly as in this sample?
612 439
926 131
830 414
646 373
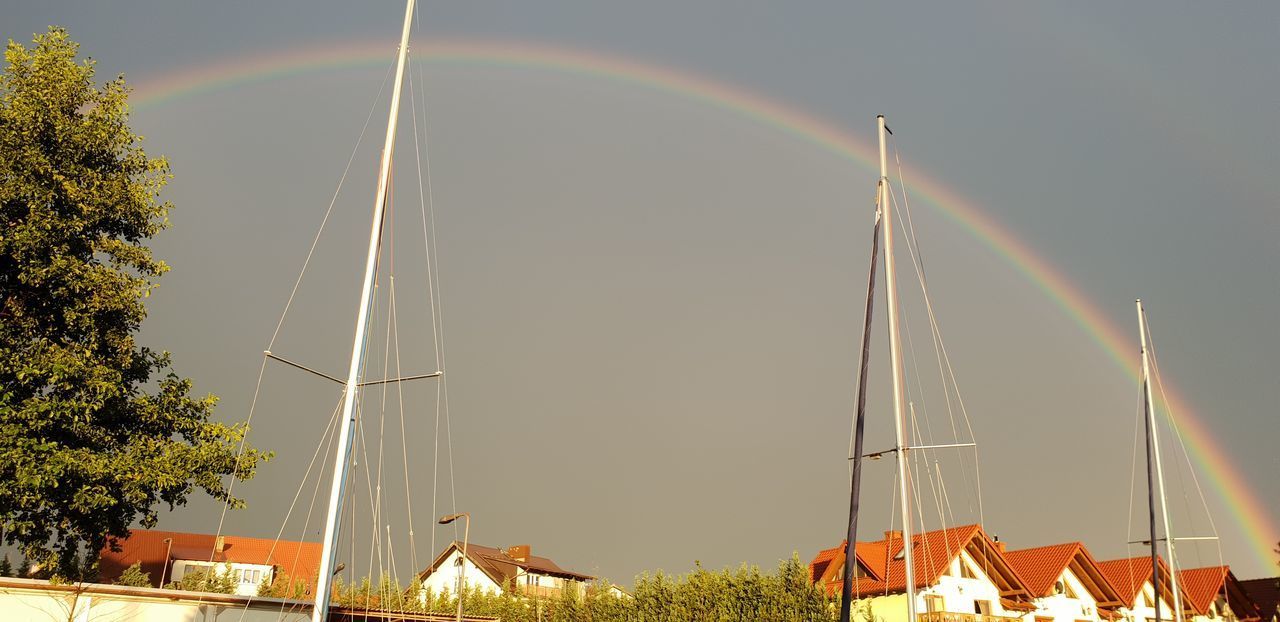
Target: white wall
1063 608
30 600
34 602
182 567
958 594
1139 612
445 578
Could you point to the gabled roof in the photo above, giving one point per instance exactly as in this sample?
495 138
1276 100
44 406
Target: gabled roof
1040 568
1129 575
1201 586
299 560
500 567
933 553
829 564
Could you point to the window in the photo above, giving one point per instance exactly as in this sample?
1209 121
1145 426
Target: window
933 603
966 571
982 607
1067 591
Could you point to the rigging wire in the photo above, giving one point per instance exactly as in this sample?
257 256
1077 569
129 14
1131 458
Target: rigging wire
327 434
1173 425
919 380
918 264
408 496
426 198
262 368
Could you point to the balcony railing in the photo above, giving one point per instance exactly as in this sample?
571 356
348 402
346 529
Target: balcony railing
947 616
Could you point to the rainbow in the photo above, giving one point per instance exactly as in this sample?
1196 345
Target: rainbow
1242 504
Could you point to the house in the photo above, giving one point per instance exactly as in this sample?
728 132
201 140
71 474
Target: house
1265 593
1213 593
1132 580
513 570
1066 584
960 576
169 556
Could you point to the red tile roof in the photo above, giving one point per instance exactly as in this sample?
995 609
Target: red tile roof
501 567
869 555
299 560
1129 575
934 552
1201 585
1040 567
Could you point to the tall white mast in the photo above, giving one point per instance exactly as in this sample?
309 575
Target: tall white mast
895 360
342 459
1155 452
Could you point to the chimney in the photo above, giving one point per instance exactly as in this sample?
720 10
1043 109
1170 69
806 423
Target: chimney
519 552
999 545
893 534
220 544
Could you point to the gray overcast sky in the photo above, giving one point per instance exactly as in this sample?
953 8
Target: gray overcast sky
652 303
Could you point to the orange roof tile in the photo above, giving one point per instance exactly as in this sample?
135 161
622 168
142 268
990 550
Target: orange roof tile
1040 567
934 552
1129 575
1201 585
299 560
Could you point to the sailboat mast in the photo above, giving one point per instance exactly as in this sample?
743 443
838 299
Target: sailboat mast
895 361
1155 453
860 416
342 459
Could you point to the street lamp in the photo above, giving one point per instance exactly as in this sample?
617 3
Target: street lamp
165 569
462 566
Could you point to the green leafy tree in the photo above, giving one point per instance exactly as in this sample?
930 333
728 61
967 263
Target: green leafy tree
133 576
96 431
284 586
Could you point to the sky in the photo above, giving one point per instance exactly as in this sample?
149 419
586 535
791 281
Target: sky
653 255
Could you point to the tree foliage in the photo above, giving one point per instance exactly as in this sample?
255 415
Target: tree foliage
133 576
284 586
96 431
746 593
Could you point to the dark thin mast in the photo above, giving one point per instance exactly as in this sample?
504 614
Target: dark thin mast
846 590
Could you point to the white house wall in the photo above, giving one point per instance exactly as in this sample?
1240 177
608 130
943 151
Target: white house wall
445 578
959 594
1139 612
1062 608
182 567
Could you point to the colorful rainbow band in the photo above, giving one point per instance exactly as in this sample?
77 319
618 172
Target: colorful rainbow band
1245 509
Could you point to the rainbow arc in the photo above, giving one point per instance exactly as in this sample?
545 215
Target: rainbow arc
1212 459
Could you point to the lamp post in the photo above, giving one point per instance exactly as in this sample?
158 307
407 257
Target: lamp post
165 569
462 565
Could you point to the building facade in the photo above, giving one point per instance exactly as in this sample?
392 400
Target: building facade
514 570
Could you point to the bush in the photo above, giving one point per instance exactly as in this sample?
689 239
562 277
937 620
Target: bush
133 576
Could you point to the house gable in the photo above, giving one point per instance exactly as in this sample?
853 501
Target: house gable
936 555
